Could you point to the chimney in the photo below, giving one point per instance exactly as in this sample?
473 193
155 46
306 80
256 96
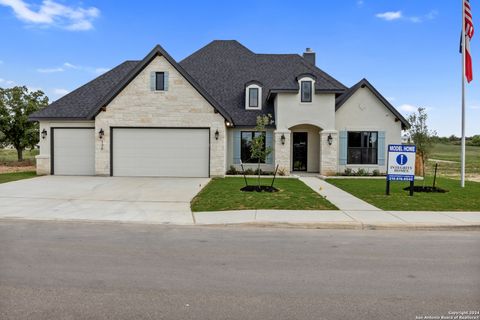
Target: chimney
309 55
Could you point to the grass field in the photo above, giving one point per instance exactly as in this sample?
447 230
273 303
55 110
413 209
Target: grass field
451 154
373 191
8 157
224 194
8 177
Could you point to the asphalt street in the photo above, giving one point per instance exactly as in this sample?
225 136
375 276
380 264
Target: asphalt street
73 270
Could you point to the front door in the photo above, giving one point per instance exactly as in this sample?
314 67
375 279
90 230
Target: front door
300 143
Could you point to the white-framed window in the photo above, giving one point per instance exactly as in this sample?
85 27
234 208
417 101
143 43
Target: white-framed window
306 87
253 97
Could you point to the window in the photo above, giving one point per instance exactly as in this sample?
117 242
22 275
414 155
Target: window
246 143
253 97
160 81
362 147
306 91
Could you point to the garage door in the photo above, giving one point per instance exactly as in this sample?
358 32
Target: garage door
73 151
154 152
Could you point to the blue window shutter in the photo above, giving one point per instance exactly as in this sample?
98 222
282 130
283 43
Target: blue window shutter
236 146
152 81
343 147
269 144
381 148
165 81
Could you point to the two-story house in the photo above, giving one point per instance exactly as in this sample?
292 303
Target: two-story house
196 118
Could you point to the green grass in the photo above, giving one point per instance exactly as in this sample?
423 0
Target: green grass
451 152
373 191
8 157
8 177
224 194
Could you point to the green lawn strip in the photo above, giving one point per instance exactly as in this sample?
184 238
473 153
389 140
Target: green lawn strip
13 176
373 191
224 194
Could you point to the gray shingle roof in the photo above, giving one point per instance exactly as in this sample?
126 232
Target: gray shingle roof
219 71
223 68
78 104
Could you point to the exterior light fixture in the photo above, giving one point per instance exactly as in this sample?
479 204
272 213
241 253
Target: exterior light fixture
44 134
329 139
282 138
101 133
216 134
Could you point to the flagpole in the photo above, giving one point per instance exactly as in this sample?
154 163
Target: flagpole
462 173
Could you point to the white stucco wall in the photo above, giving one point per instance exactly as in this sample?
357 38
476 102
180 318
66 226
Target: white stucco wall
289 111
363 111
43 158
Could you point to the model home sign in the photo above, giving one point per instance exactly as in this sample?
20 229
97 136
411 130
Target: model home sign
401 162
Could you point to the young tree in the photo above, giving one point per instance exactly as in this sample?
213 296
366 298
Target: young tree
422 137
258 149
16 104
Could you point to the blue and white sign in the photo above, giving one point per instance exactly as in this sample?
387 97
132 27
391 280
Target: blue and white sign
401 162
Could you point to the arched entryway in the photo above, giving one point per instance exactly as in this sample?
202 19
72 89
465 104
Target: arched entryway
305 148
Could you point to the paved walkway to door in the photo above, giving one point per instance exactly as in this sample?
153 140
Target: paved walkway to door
341 199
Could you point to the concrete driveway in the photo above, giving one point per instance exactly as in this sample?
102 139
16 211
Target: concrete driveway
159 200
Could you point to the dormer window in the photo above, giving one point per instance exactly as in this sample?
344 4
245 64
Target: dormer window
253 97
306 90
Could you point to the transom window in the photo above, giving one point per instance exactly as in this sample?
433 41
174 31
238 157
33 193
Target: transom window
253 97
160 81
362 147
246 143
306 91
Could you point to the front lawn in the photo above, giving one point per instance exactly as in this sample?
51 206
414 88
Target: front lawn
13 176
224 194
373 191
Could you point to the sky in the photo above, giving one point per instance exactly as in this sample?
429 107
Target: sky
408 49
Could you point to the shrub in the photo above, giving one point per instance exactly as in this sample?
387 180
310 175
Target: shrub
348 172
361 172
232 170
249 172
282 171
375 172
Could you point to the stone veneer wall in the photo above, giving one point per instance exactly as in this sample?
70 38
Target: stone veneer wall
282 151
180 106
328 153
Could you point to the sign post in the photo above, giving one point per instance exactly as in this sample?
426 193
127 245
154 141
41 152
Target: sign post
401 165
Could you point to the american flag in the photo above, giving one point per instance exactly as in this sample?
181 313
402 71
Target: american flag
468 33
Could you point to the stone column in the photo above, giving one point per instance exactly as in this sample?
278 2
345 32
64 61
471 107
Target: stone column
282 151
328 153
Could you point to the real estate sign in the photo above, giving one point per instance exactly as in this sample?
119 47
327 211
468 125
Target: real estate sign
401 162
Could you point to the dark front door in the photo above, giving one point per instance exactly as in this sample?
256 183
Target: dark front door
300 142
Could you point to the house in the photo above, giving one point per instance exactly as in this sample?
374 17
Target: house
196 118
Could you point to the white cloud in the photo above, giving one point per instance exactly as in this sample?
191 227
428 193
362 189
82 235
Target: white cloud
50 70
398 15
51 13
390 15
59 92
6 82
71 66
407 108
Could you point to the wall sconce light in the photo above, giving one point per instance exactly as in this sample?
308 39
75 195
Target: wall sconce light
101 133
216 134
329 139
282 139
44 134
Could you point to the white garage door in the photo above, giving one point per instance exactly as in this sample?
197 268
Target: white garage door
153 152
73 151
